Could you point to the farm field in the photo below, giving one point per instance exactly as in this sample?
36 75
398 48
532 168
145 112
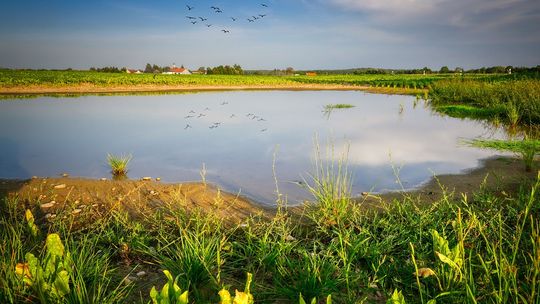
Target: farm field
20 81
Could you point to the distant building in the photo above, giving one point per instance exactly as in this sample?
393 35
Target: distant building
130 71
177 71
311 74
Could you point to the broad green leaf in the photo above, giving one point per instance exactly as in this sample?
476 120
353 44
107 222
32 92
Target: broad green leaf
54 245
446 260
183 298
154 295
61 284
396 298
329 299
225 297
301 300
241 298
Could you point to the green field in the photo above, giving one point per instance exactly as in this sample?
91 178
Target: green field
14 78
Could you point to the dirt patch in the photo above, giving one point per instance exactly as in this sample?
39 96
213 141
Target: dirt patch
86 198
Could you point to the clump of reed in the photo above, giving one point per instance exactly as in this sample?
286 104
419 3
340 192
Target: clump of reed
119 164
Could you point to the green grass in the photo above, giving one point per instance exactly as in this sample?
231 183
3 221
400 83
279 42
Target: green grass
119 164
513 101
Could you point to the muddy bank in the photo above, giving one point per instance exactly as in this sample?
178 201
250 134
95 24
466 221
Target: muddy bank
499 175
52 196
89 198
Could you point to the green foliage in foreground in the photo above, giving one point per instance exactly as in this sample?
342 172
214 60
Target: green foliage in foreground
479 249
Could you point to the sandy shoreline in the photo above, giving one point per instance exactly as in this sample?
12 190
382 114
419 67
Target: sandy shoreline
502 175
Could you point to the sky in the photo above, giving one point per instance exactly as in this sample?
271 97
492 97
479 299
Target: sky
316 34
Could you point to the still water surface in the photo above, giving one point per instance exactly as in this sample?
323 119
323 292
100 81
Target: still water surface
47 136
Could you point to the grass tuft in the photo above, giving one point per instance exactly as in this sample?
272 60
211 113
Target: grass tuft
119 164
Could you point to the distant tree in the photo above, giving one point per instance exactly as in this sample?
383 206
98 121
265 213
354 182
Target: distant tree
444 70
156 68
148 68
289 71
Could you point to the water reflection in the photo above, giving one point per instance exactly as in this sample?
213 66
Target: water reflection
235 134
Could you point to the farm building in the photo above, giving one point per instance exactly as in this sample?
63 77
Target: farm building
130 71
311 74
177 71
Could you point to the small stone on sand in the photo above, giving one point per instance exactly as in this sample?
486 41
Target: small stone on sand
61 186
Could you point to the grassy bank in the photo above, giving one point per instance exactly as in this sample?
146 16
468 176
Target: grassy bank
514 102
478 249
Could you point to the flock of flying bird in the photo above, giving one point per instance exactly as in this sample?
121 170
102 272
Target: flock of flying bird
193 114
194 20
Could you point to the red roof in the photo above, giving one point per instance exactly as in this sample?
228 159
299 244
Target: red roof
177 70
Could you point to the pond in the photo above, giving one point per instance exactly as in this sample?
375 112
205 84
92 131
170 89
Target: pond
236 135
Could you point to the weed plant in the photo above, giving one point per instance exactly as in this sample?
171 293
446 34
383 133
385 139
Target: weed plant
119 164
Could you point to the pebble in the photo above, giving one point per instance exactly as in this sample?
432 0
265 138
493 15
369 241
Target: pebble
95 205
61 186
290 238
364 193
141 274
48 205
76 211
82 206
158 179
103 179
65 175
146 178
153 192
50 216
35 189
113 189
34 177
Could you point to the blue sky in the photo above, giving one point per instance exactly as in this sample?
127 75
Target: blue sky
316 34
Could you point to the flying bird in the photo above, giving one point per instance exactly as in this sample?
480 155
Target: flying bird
249 20
187 126
203 19
218 11
224 103
193 22
225 31
255 17
262 15
263 130
208 25
233 19
190 7
189 116
214 7
264 5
